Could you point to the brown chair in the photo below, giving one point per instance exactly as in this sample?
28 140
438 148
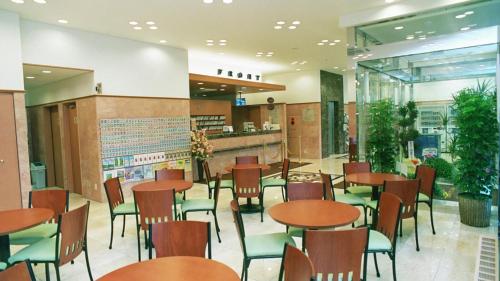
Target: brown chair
338 253
295 266
353 150
383 234
306 191
247 184
117 205
19 272
70 241
280 182
182 238
172 174
247 159
357 167
55 199
427 176
211 180
152 207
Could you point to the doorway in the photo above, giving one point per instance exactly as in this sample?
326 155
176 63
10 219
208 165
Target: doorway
331 127
74 147
55 129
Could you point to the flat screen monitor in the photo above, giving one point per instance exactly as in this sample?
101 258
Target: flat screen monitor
241 102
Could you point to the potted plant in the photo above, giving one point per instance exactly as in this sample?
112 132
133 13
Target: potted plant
476 151
201 149
407 117
381 144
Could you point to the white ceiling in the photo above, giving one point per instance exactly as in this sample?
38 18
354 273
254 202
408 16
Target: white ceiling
247 25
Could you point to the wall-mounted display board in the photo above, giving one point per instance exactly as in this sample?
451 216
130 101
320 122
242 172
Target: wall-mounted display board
132 149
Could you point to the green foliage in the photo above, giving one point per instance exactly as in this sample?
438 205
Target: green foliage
381 137
476 140
443 168
407 117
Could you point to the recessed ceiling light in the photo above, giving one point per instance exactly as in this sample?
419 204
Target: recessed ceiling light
137 27
30 77
40 1
258 55
469 13
303 62
202 88
132 23
336 41
17 1
150 23
343 70
332 44
204 95
46 71
222 90
296 22
210 44
292 27
63 21
295 62
418 32
222 41
270 53
278 27
208 1
222 44
411 37
227 1
210 41
431 32
298 69
200 83
465 28
163 41
335 67
399 27
389 1
324 40
321 44
460 16
153 27
280 22
223 86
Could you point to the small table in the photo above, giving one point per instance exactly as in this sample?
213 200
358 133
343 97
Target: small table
174 268
16 220
373 179
314 214
248 207
178 185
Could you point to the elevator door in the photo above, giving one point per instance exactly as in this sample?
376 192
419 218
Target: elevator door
331 127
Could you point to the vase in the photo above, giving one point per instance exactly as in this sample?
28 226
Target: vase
474 212
199 166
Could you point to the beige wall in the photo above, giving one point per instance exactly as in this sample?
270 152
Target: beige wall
212 107
304 135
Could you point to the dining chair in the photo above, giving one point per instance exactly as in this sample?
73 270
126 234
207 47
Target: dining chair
247 184
427 176
152 207
353 150
55 199
19 272
3 266
303 191
347 198
224 184
357 167
205 205
295 265
247 159
279 182
117 205
172 174
338 254
259 246
182 238
69 242
383 234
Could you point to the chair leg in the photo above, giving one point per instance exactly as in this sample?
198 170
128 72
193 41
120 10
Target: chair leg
145 240
111 237
88 263
262 208
217 229
243 269
376 264
123 228
416 232
283 192
139 242
401 228
246 270
47 272
432 219
184 216
364 211
58 276
393 267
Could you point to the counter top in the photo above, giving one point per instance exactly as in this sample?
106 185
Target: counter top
242 134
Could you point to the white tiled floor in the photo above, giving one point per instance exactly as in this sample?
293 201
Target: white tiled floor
448 255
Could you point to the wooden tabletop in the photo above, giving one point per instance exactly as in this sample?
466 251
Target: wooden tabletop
20 219
178 185
247 166
314 214
175 269
373 179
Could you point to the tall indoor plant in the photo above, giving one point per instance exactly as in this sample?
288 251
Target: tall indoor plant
201 149
381 144
476 150
408 114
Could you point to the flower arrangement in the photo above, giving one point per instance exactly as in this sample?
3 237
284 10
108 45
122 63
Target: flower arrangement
200 148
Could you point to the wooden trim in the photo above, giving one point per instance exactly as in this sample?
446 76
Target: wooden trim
5 91
97 95
58 67
229 81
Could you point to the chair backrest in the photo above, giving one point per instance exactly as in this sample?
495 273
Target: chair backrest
337 253
407 191
169 174
389 209
353 151
181 238
327 182
154 206
55 199
238 221
114 192
19 272
247 182
357 167
206 169
305 191
286 169
427 176
295 265
247 159
72 234
218 179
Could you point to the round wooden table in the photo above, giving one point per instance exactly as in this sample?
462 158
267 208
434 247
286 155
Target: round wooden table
17 220
247 166
175 269
178 185
373 179
314 214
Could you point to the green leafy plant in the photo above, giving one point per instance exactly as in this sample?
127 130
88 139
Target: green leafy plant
444 169
407 117
381 136
445 120
476 140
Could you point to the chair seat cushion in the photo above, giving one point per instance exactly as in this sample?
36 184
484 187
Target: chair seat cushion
3 266
179 198
34 234
378 242
295 231
423 197
351 199
223 184
267 244
43 250
197 205
360 190
273 182
372 204
124 209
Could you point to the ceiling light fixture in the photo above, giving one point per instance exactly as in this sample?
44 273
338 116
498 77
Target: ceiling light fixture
163 41
222 41
460 16
153 27
258 55
208 1
210 44
46 71
150 23
411 37
222 90
296 22
227 1
321 44
399 27
17 1
324 40
389 1
202 88
469 13
63 21
298 69
292 27
278 27
465 28
280 22
210 41
30 77
222 44
295 62
40 1
137 27
332 44
336 41
200 83
132 23
223 86
270 53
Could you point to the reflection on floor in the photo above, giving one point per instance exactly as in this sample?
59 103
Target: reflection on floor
448 255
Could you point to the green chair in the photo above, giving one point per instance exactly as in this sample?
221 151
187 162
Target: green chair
224 184
262 246
279 182
19 272
427 176
357 167
205 205
117 205
3 266
54 199
69 242
383 233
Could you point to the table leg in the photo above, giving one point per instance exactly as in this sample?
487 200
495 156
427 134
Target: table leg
249 207
4 248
